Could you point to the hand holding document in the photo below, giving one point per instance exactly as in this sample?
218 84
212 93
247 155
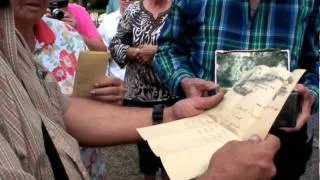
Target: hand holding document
91 66
250 107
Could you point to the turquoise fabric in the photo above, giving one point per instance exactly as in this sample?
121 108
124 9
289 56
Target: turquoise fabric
112 6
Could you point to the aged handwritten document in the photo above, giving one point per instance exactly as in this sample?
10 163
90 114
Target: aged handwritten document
91 65
250 107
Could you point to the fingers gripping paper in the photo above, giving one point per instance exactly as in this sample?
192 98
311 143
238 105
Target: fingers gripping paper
91 65
250 107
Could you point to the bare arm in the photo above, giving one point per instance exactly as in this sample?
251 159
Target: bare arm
95 45
96 123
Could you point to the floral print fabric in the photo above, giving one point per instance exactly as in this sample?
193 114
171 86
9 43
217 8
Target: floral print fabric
60 57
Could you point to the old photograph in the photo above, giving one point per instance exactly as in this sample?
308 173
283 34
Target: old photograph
230 65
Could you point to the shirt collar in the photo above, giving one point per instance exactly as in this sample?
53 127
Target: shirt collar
43 33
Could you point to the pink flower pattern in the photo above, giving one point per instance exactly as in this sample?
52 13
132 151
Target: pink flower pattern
62 54
68 62
59 74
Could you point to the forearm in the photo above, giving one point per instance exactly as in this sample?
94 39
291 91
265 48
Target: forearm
95 45
104 124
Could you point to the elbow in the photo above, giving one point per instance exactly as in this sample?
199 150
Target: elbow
96 45
67 118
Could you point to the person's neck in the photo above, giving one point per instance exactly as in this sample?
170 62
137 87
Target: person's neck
27 32
254 4
158 2
122 11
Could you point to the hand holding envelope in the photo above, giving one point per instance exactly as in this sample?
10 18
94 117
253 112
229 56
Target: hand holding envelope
109 89
91 82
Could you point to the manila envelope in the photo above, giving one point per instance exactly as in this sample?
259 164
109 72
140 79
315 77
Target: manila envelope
91 66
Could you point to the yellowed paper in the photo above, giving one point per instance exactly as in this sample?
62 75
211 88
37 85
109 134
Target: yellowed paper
270 112
186 154
185 146
91 65
209 131
189 163
247 99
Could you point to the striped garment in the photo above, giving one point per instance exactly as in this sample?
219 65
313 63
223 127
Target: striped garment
26 101
196 28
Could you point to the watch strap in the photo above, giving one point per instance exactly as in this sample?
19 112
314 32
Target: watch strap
157 114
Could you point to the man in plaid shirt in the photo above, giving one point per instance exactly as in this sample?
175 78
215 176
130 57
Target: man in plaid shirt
185 59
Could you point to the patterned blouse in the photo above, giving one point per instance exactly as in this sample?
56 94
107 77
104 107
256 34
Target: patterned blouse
137 27
57 49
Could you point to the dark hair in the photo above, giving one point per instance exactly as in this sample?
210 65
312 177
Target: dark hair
4 3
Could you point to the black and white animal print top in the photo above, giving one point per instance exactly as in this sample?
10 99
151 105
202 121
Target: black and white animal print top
137 27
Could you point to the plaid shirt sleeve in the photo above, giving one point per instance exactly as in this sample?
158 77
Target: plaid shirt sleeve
309 58
172 60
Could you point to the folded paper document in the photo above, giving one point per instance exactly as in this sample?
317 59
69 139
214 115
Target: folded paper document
249 107
91 65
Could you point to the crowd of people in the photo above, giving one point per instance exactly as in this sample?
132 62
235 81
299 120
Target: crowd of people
161 69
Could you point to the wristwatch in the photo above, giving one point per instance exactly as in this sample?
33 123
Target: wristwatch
157 114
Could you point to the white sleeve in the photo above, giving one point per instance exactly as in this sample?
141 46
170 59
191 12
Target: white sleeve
103 31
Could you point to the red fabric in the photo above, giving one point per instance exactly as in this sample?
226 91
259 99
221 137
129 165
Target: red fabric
43 33
68 62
